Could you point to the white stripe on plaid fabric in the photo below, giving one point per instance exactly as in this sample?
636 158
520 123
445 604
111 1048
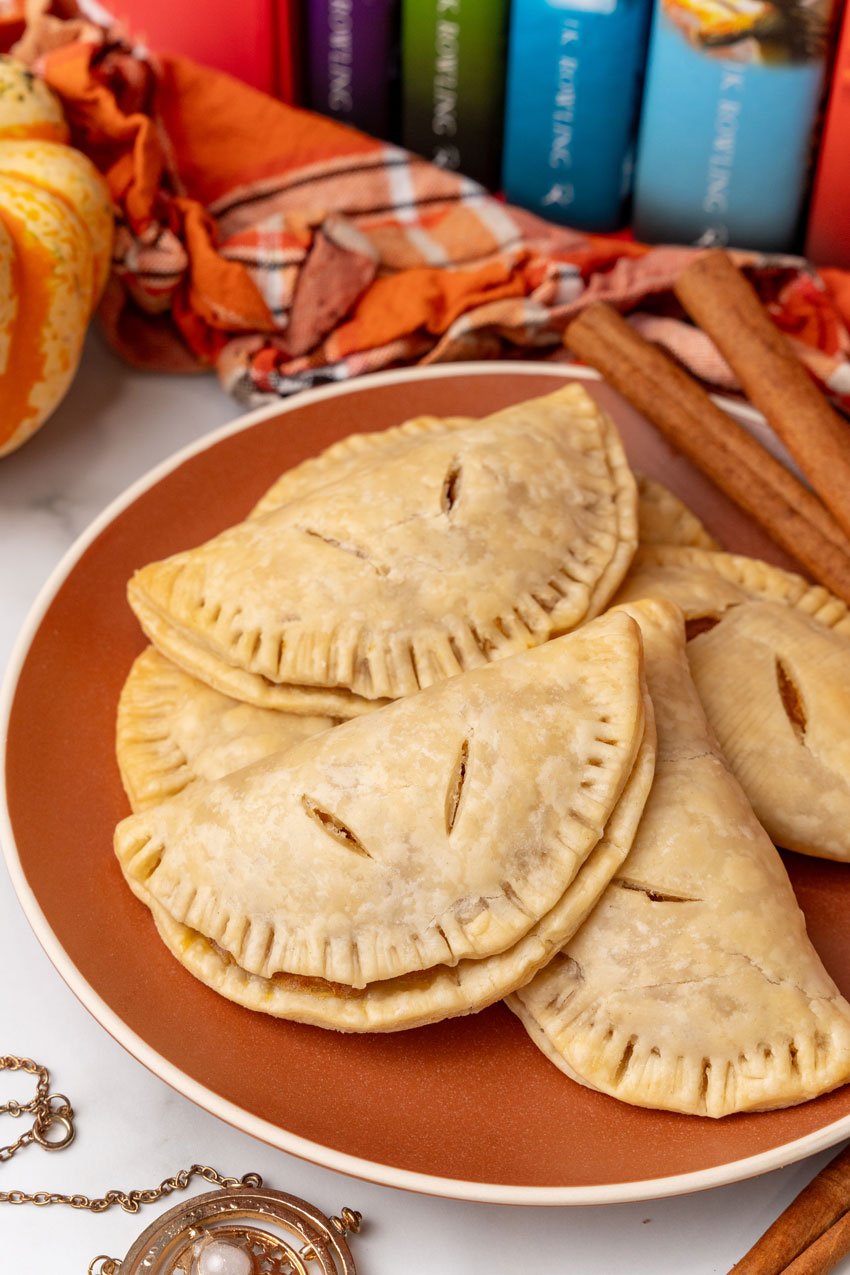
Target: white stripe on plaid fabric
569 283
243 208
267 258
490 213
309 378
351 197
839 381
273 270
401 190
322 170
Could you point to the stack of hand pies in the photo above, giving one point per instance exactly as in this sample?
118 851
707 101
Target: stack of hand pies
463 711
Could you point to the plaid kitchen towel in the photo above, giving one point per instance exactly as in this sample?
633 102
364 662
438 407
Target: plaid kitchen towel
289 251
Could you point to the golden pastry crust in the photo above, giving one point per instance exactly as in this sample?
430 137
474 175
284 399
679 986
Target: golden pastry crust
172 729
453 548
693 985
414 1000
775 686
665 519
249 688
755 629
440 829
705 584
345 456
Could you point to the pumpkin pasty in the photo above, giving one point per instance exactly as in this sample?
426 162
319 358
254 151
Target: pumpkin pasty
705 584
665 519
452 549
172 729
440 829
444 991
775 686
346 455
693 985
770 656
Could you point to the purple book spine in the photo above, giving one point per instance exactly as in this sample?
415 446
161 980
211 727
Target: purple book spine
351 55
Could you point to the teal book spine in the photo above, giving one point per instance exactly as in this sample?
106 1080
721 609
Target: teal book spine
731 102
453 74
575 71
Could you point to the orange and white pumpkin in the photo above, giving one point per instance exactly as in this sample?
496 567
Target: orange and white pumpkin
55 248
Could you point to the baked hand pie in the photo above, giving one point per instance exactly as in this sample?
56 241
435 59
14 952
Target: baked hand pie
444 991
693 985
343 457
418 862
431 557
665 519
775 686
172 730
704 584
770 655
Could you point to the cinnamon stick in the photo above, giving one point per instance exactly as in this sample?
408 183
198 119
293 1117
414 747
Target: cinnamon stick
810 1231
825 1253
722 449
724 304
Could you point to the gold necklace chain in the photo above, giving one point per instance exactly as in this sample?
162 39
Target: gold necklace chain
53 1112
53 1128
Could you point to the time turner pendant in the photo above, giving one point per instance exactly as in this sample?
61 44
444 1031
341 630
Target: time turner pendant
242 1230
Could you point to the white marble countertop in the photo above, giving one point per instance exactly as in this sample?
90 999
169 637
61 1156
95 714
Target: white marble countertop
132 1129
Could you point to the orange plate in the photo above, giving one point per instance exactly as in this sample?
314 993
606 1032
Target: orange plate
466 1108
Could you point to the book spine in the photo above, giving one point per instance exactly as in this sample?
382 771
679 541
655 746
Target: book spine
287 34
828 235
452 83
350 54
575 71
731 101
244 44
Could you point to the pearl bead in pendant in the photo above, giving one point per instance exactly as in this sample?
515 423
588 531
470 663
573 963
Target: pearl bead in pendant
221 1258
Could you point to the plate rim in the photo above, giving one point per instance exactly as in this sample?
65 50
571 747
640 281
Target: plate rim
306 1149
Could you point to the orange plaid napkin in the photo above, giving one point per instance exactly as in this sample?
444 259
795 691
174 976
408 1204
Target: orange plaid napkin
290 251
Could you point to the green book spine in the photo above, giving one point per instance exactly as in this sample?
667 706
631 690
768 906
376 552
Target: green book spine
453 83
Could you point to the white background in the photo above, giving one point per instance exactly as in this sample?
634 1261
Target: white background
132 1129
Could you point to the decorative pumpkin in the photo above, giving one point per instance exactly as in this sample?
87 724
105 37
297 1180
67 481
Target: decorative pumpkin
55 248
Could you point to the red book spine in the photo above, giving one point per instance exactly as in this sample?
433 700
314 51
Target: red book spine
828 236
240 39
288 35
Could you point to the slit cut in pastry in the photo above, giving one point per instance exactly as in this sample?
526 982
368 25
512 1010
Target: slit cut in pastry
775 686
770 655
705 584
448 550
172 730
665 519
693 985
339 460
417 863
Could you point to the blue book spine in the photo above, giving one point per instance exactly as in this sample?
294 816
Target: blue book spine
731 101
575 71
